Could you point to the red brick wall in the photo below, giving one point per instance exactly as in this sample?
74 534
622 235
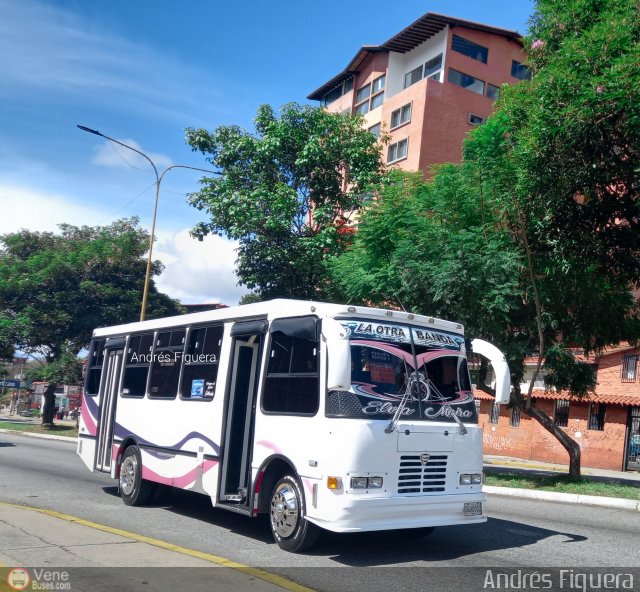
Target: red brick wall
600 449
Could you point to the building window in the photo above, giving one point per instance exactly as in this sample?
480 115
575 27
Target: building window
400 116
413 76
375 130
370 96
378 85
377 100
398 151
515 417
493 92
561 415
597 411
494 412
477 403
362 108
470 49
433 67
520 71
466 81
475 119
336 93
629 368
363 93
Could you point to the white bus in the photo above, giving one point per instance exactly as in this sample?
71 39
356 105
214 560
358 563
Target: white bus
322 416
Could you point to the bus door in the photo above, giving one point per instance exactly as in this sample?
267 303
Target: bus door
246 347
114 352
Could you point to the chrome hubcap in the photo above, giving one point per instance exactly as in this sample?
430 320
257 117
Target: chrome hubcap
128 475
285 510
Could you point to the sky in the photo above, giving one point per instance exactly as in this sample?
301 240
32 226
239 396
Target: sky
141 72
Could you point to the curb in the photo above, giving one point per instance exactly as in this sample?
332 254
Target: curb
528 465
571 498
41 436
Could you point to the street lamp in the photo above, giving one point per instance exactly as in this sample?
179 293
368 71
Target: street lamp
147 276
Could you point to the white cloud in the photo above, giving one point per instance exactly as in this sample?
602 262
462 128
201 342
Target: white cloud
195 272
198 272
112 155
22 207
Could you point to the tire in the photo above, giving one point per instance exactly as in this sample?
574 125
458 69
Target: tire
287 512
134 490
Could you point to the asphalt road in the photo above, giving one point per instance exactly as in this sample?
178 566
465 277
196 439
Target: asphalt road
519 534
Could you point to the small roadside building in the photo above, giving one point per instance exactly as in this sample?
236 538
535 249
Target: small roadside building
606 423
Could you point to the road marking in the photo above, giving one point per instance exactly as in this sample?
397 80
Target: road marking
222 561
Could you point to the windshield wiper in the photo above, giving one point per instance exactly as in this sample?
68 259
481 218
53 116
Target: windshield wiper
401 405
462 430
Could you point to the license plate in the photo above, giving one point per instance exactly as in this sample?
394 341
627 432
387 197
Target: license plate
473 509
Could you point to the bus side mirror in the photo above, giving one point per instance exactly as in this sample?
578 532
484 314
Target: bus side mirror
338 355
499 365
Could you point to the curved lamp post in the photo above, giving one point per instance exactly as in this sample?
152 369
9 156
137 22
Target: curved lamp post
147 276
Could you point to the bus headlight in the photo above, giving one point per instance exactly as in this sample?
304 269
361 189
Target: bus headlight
366 482
471 479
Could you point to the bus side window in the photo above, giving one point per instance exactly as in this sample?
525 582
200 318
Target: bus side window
201 358
94 370
166 362
136 370
292 384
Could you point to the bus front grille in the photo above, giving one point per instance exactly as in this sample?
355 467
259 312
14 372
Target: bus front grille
416 477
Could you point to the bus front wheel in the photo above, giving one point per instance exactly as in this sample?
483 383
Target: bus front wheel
134 490
290 529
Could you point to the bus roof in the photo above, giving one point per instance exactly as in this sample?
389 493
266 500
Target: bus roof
273 309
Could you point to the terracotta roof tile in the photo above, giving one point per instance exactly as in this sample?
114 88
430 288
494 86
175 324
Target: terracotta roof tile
543 394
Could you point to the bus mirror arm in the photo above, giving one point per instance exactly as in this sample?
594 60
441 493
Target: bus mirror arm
338 355
499 365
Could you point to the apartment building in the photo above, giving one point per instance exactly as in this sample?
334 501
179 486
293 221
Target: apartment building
606 423
427 86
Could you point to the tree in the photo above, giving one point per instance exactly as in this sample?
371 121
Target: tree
287 193
534 240
56 288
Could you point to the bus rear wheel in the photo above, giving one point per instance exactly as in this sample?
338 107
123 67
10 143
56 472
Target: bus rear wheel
134 490
290 529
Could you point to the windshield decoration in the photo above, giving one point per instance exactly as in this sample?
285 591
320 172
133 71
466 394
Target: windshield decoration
428 381
400 334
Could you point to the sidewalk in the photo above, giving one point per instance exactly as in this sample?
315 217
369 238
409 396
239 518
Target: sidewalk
93 556
495 464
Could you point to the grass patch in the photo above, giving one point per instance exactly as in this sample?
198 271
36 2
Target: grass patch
37 428
564 484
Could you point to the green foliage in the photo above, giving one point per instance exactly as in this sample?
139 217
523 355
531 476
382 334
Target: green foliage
534 238
56 288
286 193
574 133
567 373
67 368
250 298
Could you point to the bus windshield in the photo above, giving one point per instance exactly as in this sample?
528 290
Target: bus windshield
384 365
